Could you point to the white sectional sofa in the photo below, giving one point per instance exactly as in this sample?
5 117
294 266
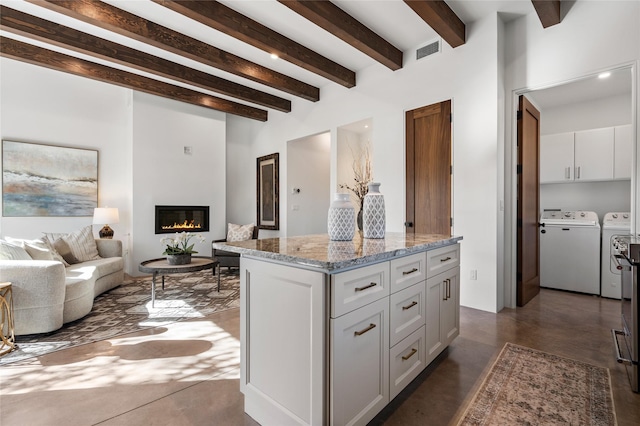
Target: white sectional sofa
48 294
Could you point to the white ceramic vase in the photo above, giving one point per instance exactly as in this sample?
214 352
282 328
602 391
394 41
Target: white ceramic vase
341 220
373 212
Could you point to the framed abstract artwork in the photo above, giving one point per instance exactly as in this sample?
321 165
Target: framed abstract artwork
48 180
268 199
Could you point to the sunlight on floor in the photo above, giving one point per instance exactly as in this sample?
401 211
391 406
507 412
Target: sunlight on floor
198 350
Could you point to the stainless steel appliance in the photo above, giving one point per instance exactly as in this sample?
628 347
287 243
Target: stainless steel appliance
626 255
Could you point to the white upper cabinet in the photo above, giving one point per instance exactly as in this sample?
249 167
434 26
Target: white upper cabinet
586 156
556 158
594 155
622 151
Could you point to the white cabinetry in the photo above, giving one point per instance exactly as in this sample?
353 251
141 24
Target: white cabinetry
594 155
586 156
360 364
622 151
556 158
320 347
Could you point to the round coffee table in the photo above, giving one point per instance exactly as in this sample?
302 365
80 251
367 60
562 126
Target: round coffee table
162 267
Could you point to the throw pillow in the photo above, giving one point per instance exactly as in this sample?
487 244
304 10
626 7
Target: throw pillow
62 247
54 253
37 249
81 243
239 232
10 251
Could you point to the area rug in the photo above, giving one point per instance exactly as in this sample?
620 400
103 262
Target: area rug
530 387
127 308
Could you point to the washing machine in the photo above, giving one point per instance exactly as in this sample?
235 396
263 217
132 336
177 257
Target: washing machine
613 223
570 251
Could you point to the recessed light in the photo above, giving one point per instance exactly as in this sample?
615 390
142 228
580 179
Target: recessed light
604 75
274 56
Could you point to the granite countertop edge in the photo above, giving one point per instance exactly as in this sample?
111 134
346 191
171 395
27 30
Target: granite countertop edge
332 266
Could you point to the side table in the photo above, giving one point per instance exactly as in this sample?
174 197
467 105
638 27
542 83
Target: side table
7 336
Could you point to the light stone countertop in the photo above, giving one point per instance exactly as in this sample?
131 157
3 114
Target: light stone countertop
318 252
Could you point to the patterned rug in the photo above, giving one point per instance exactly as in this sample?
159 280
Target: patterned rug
127 308
530 387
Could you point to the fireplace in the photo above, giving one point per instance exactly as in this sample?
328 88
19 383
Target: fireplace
171 219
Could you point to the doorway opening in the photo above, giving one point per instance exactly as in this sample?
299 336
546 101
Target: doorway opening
585 105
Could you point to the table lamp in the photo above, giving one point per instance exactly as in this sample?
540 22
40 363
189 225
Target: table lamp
104 216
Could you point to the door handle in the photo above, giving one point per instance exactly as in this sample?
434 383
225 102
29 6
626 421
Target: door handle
542 225
567 172
578 172
408 224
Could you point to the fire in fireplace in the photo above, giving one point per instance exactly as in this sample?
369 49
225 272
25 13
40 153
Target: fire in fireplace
171 219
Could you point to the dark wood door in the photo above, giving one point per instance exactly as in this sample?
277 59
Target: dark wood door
528 175
428 180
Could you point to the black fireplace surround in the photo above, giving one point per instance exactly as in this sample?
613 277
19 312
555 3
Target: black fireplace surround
170 219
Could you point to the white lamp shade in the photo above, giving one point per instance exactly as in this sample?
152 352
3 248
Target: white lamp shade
105 215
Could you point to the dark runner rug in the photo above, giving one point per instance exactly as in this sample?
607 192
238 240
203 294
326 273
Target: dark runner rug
127 308
529 387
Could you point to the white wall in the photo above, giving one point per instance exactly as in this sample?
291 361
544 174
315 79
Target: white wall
592 37
50 107
164 175
308 161
140 139
468 76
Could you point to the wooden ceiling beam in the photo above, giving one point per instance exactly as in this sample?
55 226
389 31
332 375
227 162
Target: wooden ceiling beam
336 21
40 29
441 18
548 11
111 18
226 20
18 50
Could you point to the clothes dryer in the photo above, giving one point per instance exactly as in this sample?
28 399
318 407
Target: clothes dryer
613 223
570 251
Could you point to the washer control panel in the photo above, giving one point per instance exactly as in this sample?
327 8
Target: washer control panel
617 218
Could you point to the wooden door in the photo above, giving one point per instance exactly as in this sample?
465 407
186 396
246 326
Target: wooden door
528 175
428 180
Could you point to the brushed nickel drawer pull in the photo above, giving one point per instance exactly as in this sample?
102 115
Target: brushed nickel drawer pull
366 287
412 353
414 303
445 259
361 332
410 272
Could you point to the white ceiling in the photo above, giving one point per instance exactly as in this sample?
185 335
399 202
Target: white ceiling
391 19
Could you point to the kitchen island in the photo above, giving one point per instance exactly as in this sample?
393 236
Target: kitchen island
331 331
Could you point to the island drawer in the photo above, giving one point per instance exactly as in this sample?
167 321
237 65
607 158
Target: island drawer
406 360
407 312
353 289
408 270
442 259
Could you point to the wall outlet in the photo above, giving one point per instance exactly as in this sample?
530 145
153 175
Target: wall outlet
474 274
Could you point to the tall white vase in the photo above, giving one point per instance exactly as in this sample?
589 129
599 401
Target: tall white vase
373 212
341 220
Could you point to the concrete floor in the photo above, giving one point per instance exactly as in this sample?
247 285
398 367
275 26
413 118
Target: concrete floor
187 373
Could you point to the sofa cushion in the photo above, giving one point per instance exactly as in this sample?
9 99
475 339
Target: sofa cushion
38 249
81 242
101 267
239 232
10 251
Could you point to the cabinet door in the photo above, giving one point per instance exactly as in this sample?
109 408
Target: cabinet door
407 360
443 312
622 151
359 365
594 155
556 158
450 311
